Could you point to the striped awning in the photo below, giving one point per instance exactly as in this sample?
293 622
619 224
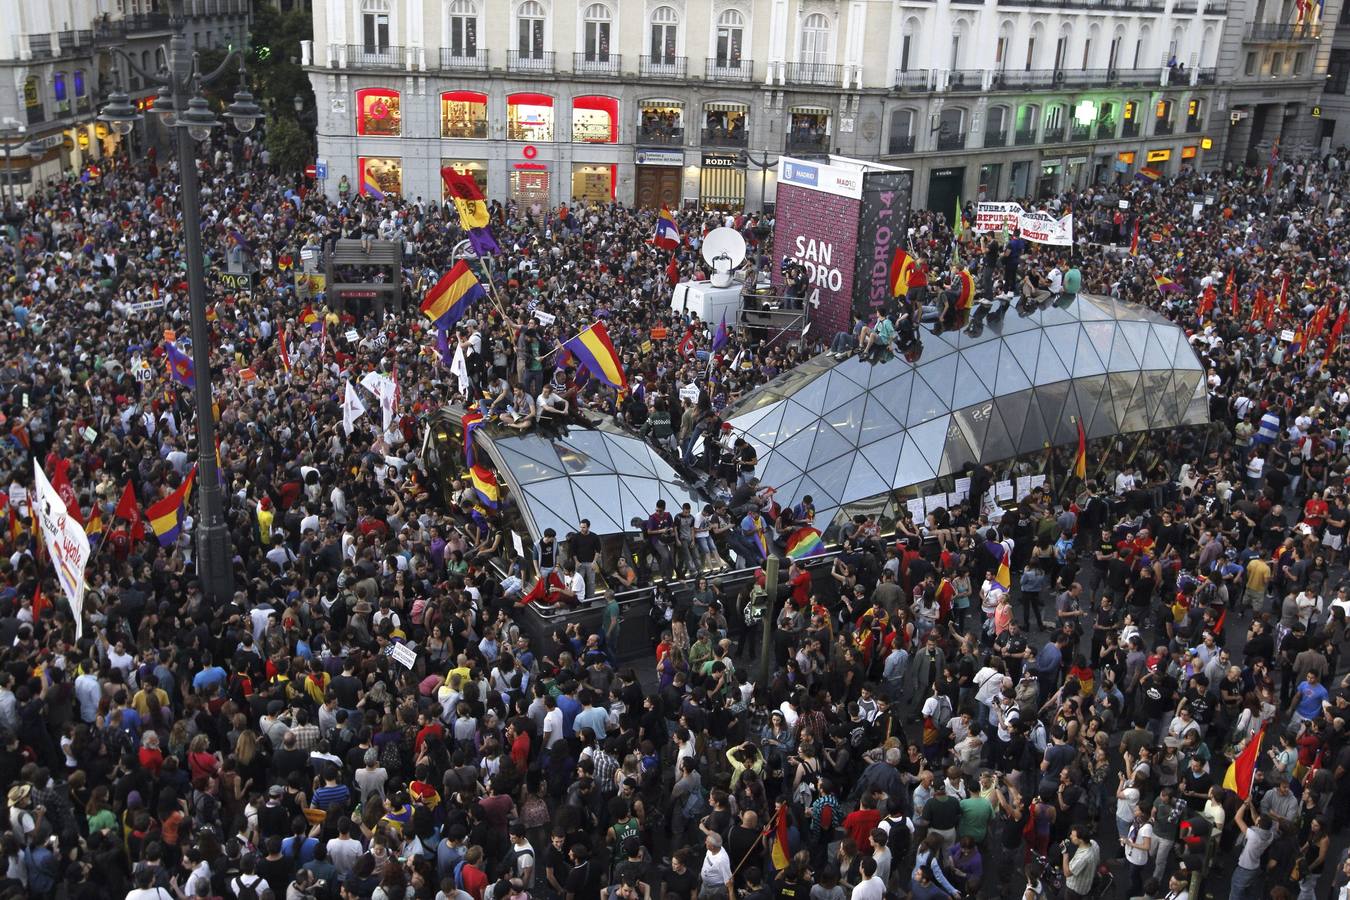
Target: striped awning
725 107
722 187
660 103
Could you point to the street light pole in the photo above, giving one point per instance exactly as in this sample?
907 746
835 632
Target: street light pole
186 112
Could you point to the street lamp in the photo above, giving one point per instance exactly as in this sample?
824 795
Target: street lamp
10 129
182 108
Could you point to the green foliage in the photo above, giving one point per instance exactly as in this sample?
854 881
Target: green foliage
274 60
290 147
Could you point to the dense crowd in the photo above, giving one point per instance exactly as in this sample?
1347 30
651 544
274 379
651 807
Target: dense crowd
914 739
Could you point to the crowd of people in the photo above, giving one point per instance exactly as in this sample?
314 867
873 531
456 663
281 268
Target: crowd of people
914 739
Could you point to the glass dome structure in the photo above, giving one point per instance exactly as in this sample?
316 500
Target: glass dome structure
846 432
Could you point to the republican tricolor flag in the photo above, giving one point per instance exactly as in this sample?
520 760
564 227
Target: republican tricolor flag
667 235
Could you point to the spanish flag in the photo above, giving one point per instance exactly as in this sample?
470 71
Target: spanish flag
1080 458
902 264
1238 778
965 286
1002 575
779 852
593 349
166 516
451 297
15 529
485 486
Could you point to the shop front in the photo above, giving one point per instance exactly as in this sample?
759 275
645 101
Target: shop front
378 113
464 115
660 123
529 118
595 120
658 179
380 176
594 182
477 169
1051 180
991 176
529 187
722 182
1160 160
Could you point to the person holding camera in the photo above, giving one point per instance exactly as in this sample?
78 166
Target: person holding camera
1079 857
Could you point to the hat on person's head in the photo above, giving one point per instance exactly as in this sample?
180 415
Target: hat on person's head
1172 742
276 790
274 707
18 794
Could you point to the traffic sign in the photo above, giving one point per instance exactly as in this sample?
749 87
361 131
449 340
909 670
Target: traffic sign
310 172
321 169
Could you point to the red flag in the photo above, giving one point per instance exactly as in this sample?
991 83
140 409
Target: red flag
1234 303
285 353
1259 304
61 481
673 271
39 602
1207 301
1284 293
1134 239
686 344
129 509
1319 321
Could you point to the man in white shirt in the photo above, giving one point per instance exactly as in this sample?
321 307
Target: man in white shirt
553 723
716 872
870 887
344 850
1138 844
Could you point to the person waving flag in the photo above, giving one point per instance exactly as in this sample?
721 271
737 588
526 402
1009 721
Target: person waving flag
667 236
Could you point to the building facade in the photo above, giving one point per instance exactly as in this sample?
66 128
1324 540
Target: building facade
57 67
1334 110
692 101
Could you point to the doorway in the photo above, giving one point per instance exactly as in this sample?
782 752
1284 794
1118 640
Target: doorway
944 187
658 186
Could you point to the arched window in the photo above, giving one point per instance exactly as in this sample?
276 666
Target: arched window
951 128
958 33
596 41
530 30
1062 46
463 29
1141 46
1005 32
665 35
908 36
59 92
375 26
1028 118
815 45
900 138
1034 38
996 126
1195 114
730 32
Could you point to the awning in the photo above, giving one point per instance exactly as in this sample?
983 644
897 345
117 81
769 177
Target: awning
725 107
722 186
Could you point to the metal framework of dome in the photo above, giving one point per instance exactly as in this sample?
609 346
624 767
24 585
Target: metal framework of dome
849 431
600 473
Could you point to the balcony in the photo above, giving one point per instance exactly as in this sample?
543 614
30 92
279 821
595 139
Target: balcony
996 138
821 74
1080 132
965 80
146 22
952 141
742 70
808 143
1163 127
1216 8
596 63
720 137
463 60
1137 77
1259 32
671 68
40 45
1205 76
1078 78
1024 80
374 56
539 62
1023 137
472 129
1186 7
1131 129
1106 131
914 80
659 136
898 145
1057 135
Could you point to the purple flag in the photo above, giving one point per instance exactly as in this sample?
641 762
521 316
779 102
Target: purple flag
721 336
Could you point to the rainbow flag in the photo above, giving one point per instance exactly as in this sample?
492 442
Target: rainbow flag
1238 778
593 349
166 516
667 235
470 421
448 300
902 265
485 486
1166 285
804 542
1080 457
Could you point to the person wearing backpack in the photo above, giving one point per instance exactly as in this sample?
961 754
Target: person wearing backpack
937 712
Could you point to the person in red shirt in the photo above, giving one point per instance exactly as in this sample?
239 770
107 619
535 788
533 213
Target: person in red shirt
475 879
799 580
430 726
1315 511
520 745
859 823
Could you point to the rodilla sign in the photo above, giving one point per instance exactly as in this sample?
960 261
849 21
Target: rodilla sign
840 219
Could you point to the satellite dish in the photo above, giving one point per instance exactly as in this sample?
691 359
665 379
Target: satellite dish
723 251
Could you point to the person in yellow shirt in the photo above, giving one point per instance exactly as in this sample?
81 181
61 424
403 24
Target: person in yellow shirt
1258 576
140 701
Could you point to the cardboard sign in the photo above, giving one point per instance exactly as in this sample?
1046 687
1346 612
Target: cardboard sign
659 333
404 654
545 318
689 392
352 335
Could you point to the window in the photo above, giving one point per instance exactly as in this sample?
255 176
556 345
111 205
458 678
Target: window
665 33
956 51
378 112
1249 67
1000 53
815 46
1031 51
595 120
464 114
375 26
463 28
79 82
1061 51
596 41
1114 58
1138 52
32 100
900 138
530 30
59 92
730 30
1087 52
904 52
1338 72
529 117
1299 59
1276 63
1054 121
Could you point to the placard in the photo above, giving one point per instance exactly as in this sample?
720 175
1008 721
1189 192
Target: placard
352 335
518 544
1037 481
89 434
915 507
1040 227
545 318
1287 335
1023 485
1003 490
963 488
689 392
404 654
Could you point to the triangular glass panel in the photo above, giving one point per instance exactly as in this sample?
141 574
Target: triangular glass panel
854 371
829 444
894 396
884 457
596 498
956 453
941 377
1009 377
795 418
1088 394
590 444
1091 336
765 431
1049 367
776 468
826 498
1197 411
743 421
924 404
814 394
1053 315
786 489
1136 335
877 423
1089 309
1156 356
833 479
998 444
635 457
1186 357
846 418
1122 354
797 449
970 385
1129 402
1064 338
1155 385
526 469
1120 385
974 422
863 480
930 438
1059 411
913 467
1013 410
